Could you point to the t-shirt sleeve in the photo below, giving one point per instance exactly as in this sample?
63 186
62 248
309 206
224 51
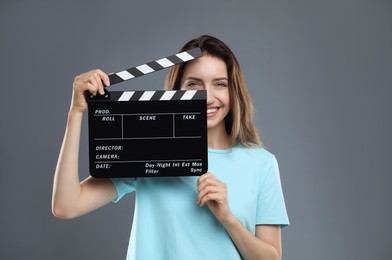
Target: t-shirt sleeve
123 186
271 208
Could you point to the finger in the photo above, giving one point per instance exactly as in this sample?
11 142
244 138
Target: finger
206 181
104 77
220 189
102 80
96 81
92 88
205 191
203 177
91 81
218 198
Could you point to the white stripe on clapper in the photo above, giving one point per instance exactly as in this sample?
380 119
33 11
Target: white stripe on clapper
184 56
165 62
188 95
125 75
126 95
168 95
147 95
145 68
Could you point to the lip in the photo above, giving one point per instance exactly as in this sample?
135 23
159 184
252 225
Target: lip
212 111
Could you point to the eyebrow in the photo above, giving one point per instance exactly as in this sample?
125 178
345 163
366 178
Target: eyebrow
199 79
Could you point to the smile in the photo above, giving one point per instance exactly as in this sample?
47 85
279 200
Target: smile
211 110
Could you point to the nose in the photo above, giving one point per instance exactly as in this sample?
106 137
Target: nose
210 94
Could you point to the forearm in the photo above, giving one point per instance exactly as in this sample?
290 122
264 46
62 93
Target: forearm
66 185
250 246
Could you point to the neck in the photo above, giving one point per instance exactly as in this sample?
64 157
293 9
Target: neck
218 139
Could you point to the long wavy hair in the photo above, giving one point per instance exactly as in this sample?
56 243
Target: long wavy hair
239 121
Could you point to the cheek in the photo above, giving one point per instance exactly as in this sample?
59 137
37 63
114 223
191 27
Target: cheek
225 98
225 101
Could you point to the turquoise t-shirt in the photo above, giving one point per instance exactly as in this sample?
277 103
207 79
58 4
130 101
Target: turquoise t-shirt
168 223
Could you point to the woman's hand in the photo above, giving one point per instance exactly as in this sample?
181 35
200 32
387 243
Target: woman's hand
90 81
214 193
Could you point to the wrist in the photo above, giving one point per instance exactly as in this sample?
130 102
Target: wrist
229 220
75 114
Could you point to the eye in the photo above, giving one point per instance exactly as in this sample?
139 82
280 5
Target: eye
193 84
221 84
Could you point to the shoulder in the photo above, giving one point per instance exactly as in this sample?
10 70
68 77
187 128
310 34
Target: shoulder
256 159
256 153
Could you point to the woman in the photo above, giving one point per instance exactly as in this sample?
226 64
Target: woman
234 211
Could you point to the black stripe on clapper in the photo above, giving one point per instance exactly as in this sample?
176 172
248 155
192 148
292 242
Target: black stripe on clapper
200 95
178 95
135 72
155 65
114 79
157 95
174 59
136 96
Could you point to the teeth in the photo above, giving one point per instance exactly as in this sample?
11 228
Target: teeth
211 110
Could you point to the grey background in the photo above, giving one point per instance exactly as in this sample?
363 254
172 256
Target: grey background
320 75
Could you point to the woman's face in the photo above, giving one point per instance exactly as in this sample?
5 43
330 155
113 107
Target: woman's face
210 73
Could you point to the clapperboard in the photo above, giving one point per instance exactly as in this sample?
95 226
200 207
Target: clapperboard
148 133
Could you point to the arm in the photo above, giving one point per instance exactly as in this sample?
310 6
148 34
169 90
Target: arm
267 242
72 198
265 245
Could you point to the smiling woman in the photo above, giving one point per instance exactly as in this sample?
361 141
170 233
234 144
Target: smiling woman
236 210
